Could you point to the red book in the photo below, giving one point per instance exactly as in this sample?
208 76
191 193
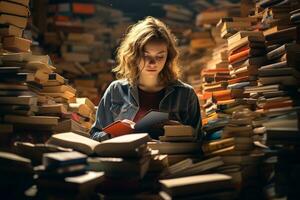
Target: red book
125 126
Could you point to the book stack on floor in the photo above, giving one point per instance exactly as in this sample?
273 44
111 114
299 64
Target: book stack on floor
282 135
22 82
238 142
13 20
63 175
16 174
124 159
207 186
178 142
277 95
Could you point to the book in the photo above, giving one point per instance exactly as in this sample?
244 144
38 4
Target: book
178 130
126 145
122 127
60 159
37 120
74 184
175 147
14 8
16 44
121 167
18 21
196 184
8 29
217 144
191 168
241 34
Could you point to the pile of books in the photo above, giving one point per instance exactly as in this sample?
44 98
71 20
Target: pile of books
124 160
178 142
278 91
64 175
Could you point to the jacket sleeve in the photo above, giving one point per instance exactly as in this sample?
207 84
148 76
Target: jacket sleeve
195 115
103 117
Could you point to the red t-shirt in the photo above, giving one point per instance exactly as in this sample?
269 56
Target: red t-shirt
148 101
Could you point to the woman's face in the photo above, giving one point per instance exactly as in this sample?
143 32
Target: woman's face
153 59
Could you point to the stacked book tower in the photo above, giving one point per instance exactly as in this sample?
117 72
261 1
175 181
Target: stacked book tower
233 137
33 97
278 94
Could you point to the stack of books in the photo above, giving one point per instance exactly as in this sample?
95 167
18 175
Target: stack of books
277 94
63 174
124 159
178 142
13 20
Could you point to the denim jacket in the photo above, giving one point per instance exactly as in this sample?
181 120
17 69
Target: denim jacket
120 101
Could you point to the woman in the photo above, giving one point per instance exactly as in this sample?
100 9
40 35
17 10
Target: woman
148 79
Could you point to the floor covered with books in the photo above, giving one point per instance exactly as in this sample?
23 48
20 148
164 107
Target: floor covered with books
241 57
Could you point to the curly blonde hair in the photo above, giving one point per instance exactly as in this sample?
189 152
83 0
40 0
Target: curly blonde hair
131 50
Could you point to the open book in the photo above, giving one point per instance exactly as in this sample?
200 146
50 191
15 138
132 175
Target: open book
123 127
123 146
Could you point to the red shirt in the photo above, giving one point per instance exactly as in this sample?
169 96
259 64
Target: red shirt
148 101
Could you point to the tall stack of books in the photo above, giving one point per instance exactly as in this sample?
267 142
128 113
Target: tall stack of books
278 91
13 20
178 142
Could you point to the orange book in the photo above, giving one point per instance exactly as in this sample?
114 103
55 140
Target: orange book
83 8
279 104
125 126
238 80
238 56
243 48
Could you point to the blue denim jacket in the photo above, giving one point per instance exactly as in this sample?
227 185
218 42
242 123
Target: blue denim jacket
120 101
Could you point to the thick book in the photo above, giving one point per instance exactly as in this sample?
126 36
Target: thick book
241 34
8 29
14 8
122 146
179 131
16 44
15 20
121 167
60 159
196 184
122 127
